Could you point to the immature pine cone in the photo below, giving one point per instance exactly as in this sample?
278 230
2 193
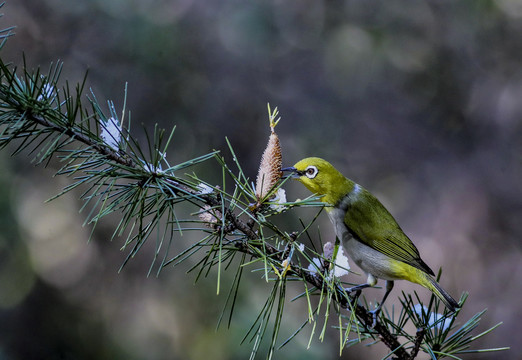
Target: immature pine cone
270 167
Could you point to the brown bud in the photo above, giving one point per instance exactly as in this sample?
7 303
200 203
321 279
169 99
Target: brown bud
210 216
328 250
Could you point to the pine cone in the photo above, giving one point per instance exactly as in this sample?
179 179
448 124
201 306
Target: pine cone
270 167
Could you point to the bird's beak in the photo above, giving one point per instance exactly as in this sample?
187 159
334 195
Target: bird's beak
292 172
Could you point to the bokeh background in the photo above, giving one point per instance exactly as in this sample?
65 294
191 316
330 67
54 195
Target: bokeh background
419 101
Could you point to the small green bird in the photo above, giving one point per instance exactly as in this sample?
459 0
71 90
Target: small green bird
369 233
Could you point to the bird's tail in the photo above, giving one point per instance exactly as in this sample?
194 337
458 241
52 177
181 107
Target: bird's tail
442 294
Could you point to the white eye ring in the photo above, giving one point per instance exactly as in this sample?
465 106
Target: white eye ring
311 172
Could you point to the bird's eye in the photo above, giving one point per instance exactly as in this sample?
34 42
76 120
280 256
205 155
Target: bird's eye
311 172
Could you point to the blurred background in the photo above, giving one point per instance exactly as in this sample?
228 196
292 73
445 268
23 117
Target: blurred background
418 101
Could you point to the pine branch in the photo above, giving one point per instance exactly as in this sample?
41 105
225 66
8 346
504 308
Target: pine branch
105 151
178 189
118 177
419 337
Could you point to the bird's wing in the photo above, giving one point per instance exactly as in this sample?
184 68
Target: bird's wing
370 223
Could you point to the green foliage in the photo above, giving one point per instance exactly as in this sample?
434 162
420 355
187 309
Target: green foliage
119 175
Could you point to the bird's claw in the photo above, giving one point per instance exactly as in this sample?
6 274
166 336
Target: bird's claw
353 293
356 292
350 294
375 315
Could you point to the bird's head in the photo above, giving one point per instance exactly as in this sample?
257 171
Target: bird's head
321 178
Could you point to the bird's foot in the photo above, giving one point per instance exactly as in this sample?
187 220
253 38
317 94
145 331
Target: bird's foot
350 294
375 315
356 292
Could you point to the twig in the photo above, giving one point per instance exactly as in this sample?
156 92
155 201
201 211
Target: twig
421 332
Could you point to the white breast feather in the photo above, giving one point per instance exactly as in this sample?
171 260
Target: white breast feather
368 259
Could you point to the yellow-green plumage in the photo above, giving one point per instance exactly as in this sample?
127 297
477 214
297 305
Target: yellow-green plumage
370 234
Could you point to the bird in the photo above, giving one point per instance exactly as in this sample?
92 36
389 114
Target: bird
370 235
